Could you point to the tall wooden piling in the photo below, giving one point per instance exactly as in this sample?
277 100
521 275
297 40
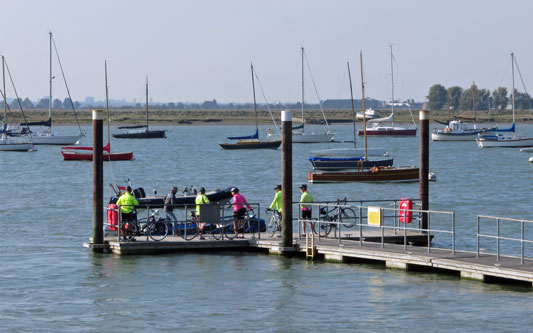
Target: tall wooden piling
424 165
98 180
286 178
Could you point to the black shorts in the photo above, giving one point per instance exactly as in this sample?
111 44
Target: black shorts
239 215
306 214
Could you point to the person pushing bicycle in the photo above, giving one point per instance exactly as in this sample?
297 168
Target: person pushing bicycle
239 210
277 202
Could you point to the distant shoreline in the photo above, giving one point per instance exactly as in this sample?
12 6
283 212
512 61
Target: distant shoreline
246 117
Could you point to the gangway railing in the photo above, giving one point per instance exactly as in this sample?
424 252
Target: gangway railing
499 237
388 219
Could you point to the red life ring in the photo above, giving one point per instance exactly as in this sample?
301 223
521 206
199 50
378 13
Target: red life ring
406 215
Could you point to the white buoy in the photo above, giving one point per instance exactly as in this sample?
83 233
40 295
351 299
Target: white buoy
531 160
432 177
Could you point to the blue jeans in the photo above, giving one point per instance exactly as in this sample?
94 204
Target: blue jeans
170 217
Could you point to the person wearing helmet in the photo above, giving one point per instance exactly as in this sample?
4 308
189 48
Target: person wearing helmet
239 210
307 210
201 199
277 202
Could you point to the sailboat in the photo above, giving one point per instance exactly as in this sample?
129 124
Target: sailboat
85 153
299 135
348 158
140 131
374 174
252 141
378 127
6 143
504 139
47 137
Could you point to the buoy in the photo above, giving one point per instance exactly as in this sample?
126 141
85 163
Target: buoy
531 160
432 177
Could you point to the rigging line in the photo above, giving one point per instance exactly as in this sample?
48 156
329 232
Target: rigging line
316 91
523 84
8 107
403 88
66 85
266 102
18 100
342 82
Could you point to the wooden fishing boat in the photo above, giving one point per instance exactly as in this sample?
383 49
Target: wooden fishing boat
326 163
251 144
376 174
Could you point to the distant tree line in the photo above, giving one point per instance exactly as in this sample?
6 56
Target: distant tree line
42 104
463 99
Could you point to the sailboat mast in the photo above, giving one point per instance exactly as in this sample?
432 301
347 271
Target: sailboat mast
4 93
353 107
302 87
392 85
147 103
474 102
51 77
255 105
363 97
449 107
512 70
107 108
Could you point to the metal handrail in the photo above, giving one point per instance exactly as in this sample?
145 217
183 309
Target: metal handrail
498 237
339 224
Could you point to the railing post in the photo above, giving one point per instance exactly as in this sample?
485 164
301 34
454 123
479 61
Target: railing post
98 181
360 224
522 242
477 236
453 233
498 239
428 233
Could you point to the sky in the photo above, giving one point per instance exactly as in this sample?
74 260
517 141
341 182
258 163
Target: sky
200 50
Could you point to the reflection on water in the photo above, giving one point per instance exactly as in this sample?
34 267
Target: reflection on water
50 282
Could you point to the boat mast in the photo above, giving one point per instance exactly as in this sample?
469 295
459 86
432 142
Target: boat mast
363 97
255 105
4 134
449 107
392 84
353 107
107 109
302 88
147 103
512 71
51 77
474 102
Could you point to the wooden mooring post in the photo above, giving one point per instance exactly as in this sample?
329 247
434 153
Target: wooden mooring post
424 165
98 181
286 179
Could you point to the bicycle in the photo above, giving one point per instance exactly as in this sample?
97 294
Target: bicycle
344 216
188 230
275 222
243 225
155 227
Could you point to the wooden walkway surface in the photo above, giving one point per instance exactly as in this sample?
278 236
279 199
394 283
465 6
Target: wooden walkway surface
392 254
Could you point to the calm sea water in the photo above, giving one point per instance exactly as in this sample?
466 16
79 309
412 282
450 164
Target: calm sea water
49 282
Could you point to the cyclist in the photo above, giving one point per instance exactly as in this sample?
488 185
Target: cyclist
126 202
277 202
239 210
201 199
307 211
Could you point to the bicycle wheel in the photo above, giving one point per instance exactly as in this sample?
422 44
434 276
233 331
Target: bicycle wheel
157 230
188 230
324 229
348 218
229 230
213 230
274 225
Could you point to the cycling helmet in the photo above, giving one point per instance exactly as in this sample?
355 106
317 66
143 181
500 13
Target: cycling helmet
235 189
